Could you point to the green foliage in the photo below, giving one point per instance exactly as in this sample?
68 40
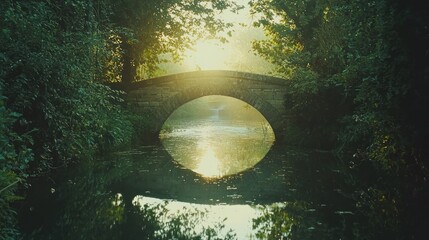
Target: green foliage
147 29
49 79
52 109
53 59
142 130
357 73
15 156
306 44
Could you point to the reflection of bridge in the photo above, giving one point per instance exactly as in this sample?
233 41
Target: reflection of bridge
161 96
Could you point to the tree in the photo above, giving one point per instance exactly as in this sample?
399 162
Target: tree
358 70
55 112
306 42
147 29
53 58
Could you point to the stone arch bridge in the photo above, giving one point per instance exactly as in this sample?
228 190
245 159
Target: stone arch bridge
161 96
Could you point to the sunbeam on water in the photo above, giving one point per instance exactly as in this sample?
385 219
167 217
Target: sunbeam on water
209 164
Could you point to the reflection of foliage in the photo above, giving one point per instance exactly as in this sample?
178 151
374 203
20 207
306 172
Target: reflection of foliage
90 210
185 224
295 221
166 129
273 224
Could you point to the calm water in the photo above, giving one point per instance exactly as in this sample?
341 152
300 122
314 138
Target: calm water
93 201
215 148
103 200
214 176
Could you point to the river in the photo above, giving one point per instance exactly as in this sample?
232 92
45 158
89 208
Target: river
207 177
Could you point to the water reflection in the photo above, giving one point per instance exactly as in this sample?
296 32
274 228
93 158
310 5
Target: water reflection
291 194
217 136
209 165
122 197
237 219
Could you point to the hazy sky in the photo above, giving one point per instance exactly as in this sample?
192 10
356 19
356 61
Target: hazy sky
236 55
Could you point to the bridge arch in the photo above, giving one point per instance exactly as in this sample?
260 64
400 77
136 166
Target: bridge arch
160 97
195 92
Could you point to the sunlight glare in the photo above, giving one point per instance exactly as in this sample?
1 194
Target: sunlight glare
207 55
236 54
209 165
